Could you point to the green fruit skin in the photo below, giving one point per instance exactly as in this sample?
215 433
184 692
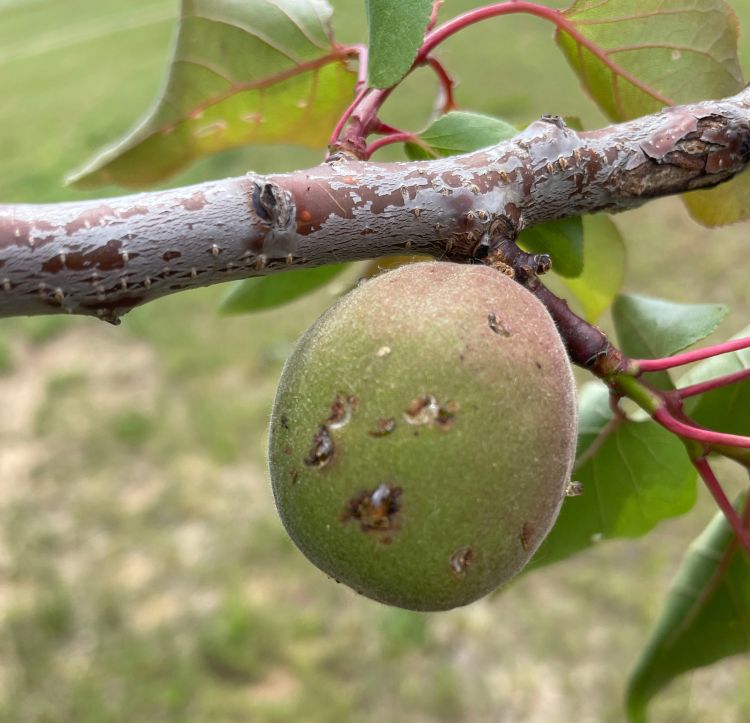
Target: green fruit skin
466 502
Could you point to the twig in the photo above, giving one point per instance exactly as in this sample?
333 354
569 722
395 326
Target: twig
104 258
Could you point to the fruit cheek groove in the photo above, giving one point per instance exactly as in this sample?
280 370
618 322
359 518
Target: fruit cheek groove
423 434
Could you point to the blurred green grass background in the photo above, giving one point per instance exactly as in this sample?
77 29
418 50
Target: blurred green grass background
143 573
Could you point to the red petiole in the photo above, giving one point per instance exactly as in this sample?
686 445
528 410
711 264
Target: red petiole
702 387
658 365
738 525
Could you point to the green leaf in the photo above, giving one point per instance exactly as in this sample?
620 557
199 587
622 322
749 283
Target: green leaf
726 409
459 132
727 203
603 269
562 240
705 618
267 292
638 475
251 72
396 29
652 328
657 53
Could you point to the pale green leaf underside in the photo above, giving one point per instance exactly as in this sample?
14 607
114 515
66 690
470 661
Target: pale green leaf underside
678 50
660 52
395 32
639 476
268 292
252 72
705 618
603 269
725 204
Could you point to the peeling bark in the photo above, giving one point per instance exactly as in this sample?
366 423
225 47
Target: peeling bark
103 258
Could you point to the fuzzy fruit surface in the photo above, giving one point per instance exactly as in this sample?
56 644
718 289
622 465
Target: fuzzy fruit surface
423 434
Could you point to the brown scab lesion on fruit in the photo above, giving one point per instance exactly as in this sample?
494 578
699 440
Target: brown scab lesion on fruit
460 561
496 324
375 510
322 449
383 427
342 408
525 536
427 411
340 414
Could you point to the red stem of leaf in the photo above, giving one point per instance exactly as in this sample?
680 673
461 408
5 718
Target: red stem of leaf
699 434
460 22
702 387
658 365
347 114
392 138
433 15
746 510
708 476
363 54
384 129
367 115
447 83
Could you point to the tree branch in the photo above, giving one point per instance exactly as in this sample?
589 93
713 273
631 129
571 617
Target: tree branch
105 257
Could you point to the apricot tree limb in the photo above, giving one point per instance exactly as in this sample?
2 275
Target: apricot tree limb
105 257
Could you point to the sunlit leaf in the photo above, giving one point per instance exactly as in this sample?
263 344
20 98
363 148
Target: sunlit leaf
395 30
459 132
727 203
637 475
603 266
655 53
705 618
267 292
251 72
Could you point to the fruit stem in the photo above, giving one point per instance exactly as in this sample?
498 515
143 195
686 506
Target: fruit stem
587 345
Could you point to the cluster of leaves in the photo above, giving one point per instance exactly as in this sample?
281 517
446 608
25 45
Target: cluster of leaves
262 72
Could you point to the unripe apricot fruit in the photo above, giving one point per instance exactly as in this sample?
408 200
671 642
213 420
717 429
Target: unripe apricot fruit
423 434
